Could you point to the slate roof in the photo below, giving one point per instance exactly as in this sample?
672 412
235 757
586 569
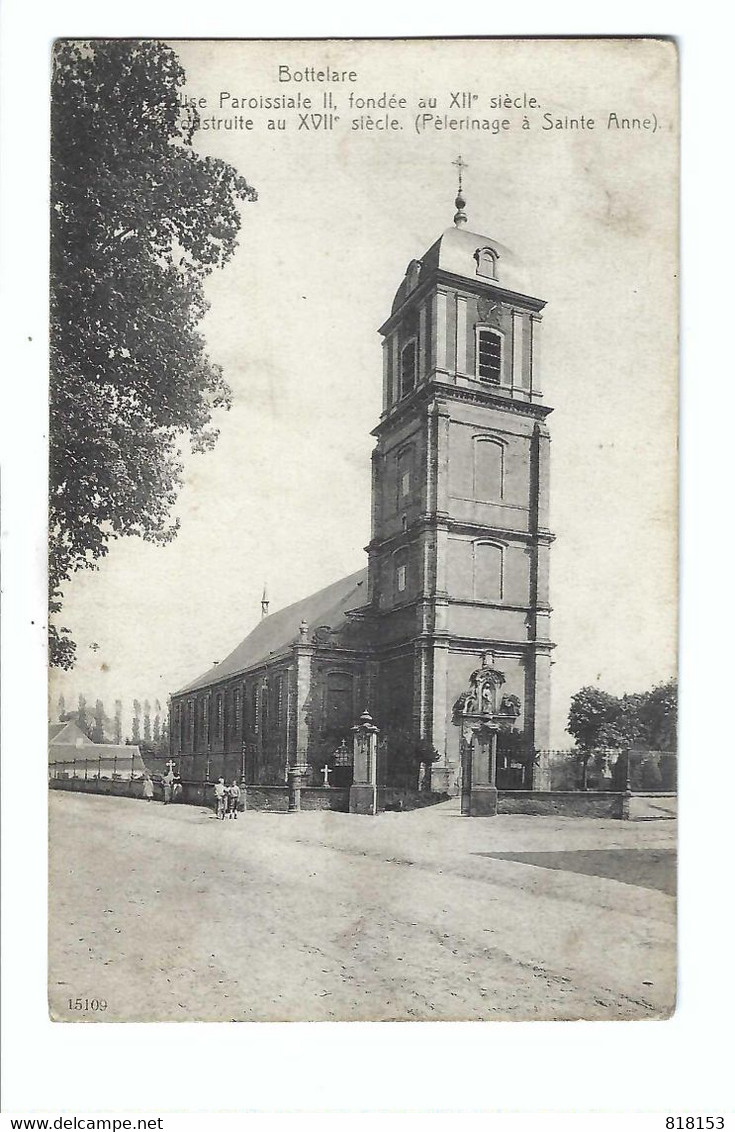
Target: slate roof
276 633
67 731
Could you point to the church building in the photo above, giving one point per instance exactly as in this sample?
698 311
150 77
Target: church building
457 572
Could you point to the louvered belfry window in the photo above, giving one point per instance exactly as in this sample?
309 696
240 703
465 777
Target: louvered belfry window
488 356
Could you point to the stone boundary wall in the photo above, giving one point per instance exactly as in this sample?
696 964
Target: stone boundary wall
566 803
637 806
401 798
268 798
274 798
121 788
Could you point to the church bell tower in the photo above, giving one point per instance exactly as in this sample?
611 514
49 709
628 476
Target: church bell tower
459 549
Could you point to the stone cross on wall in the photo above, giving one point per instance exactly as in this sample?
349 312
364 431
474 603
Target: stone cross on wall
326 772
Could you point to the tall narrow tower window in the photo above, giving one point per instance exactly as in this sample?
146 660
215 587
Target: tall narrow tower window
488 469
489 352
404 467
408 367
488 571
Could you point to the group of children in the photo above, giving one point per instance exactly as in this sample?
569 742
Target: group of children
227 799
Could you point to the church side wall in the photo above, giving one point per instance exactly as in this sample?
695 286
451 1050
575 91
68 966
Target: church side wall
239 727
257 737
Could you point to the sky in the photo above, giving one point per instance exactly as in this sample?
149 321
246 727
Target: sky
284 498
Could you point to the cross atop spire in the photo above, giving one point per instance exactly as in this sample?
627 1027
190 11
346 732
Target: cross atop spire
460 217
460 166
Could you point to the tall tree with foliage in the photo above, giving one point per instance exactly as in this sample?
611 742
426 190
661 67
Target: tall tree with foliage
658 715
598 720
82 718
138 221
98 730
157 723
147 720
136 721
118 721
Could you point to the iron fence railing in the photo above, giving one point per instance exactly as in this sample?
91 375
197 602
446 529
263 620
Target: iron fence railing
117 767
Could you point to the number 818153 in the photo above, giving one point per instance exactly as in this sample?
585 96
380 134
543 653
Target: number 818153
698 1122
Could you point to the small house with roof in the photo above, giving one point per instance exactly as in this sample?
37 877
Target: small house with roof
72 754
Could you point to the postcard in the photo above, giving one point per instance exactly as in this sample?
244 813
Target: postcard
363 530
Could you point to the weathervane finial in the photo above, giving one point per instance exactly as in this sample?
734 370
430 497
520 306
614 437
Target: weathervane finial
460 217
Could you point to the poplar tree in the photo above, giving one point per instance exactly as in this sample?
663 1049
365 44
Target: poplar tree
136 721
118 721
98 731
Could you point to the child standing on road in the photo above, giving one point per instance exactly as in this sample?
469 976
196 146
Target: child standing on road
233 799
220 796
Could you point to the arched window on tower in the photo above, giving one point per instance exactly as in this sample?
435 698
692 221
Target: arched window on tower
487 263
401 581
488 571
489 355
409 361
488 469
404 473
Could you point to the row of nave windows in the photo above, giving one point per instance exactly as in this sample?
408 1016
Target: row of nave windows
194 728
253 710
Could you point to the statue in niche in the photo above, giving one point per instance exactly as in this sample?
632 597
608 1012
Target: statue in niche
481 697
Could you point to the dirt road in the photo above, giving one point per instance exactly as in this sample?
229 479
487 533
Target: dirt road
167 914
